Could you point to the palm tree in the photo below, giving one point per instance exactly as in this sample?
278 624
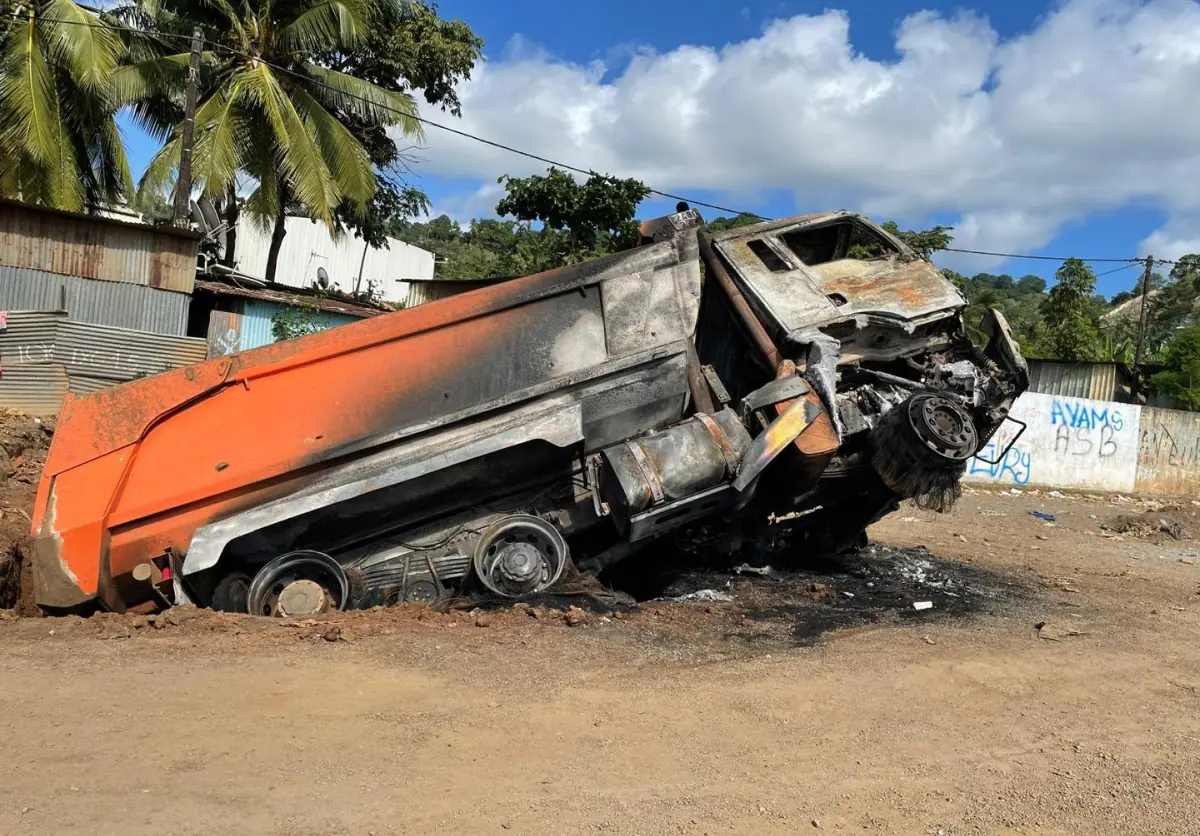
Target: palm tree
268 111
59 143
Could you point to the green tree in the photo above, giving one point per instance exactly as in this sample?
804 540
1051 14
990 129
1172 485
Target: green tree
1070 315
59 143
597 215
269 109
1181 380
408 49
926 241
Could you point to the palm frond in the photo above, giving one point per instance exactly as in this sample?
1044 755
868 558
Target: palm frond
364 100
301 162
77 42
345 155
164 75
27 117
327 24
219 150
161 172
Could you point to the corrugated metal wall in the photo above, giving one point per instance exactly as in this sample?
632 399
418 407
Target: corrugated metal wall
1097 381
308 246
418 293
256 322
96 248
30 379
118 304
43 355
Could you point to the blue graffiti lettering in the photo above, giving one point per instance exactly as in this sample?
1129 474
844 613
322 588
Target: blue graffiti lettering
1016 466
1082 416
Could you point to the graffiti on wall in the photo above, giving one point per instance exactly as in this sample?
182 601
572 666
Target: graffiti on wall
1169 452
1068 442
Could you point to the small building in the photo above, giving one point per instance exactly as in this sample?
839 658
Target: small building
234 316
349 264
102 269
418 291
1100 381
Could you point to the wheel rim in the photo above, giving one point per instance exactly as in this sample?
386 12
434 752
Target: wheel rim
520 555
299 584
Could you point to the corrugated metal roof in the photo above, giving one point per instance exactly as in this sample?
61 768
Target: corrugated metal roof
95 247
1098 381
117 304
120 354
30 379
284 296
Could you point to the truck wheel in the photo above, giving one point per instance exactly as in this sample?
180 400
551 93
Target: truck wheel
232 593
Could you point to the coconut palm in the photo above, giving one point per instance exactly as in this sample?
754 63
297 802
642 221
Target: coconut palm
59 143
268 111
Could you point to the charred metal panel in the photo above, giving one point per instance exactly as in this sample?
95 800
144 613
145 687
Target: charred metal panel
797 295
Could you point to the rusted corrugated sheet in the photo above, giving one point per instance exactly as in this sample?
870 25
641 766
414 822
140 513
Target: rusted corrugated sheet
420 292
30 379
95 247
1169 453
1096 381
117 304
119 354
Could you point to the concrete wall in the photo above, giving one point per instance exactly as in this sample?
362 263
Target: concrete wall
1084 444
1068 443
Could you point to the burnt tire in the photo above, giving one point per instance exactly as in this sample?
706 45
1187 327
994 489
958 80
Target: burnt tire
232 593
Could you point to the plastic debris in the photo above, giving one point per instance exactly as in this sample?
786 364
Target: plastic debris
1042 515
747 569
709 595
1055 494
922 605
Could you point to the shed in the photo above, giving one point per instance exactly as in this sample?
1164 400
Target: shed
1107 381
235 317
419 291
51 241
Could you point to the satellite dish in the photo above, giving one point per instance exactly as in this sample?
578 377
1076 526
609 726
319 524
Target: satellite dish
322 278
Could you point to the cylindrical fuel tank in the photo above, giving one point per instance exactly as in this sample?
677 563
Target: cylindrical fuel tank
671 464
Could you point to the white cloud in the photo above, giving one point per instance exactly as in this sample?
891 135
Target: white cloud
1096 107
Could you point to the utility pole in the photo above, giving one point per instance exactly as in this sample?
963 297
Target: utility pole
1141 337
183 186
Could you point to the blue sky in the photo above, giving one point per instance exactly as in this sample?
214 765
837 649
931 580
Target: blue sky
1023 124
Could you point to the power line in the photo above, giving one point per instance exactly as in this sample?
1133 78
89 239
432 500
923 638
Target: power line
1134 263
1127 262
1040 257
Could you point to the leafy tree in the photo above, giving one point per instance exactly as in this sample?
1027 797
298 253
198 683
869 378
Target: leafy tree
721 224
59 143
409 50
596 215
926 241
1070 314
1181 381
282 118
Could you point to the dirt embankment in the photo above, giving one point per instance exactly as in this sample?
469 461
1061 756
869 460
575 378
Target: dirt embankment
24 442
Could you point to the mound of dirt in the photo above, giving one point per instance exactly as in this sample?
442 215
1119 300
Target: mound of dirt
1154 527
24 442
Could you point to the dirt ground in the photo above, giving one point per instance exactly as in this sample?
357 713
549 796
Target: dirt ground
793 707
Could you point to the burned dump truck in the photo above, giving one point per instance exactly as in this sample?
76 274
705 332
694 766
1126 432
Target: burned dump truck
811 376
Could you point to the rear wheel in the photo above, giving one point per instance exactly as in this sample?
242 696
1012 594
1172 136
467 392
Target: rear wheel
298 585
231 593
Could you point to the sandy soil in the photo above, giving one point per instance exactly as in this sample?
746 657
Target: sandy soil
792 708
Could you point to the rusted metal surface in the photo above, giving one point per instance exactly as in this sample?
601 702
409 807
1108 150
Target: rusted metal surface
307 299
745 315
96 247
801 295
1168 453
1095 381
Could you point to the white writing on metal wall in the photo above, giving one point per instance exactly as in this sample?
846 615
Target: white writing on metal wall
1067 442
